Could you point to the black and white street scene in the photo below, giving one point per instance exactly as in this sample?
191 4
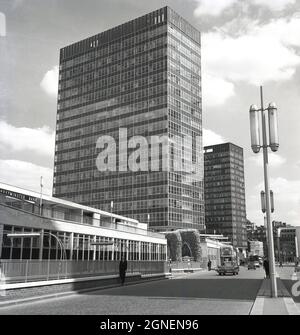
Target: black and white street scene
149 158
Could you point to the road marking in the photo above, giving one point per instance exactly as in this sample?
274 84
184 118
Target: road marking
258 306
291 306
200 299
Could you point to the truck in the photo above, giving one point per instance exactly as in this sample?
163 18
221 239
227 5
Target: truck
229 262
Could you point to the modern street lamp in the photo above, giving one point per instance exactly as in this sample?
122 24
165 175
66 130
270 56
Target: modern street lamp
269 118
29 235
263 201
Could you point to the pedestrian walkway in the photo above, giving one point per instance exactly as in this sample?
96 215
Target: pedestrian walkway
265 289
266 305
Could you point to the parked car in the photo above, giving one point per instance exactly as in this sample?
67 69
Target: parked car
251 266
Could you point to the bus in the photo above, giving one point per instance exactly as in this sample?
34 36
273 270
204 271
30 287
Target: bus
229 261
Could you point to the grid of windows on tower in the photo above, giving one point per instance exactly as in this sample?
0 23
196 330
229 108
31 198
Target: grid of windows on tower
145 76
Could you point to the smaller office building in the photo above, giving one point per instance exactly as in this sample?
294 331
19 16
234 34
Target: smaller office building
224 190
60 229
288 243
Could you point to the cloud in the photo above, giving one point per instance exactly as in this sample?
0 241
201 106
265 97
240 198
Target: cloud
259 55
25 175
216 91
39 140
211 138
49 82
286 201
212 7
217 7
275 160
275 5
286 190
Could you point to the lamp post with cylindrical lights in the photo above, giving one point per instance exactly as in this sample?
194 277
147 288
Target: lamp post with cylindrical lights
269 118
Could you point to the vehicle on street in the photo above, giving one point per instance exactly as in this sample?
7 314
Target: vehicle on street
253 262
251 266
229 261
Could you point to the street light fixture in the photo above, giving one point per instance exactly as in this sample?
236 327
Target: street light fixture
263 201
255 130
273 127
254 127
272 201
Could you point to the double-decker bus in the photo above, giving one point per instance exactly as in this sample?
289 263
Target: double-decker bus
229 261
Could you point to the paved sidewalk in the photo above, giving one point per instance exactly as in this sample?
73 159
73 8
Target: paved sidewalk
266 305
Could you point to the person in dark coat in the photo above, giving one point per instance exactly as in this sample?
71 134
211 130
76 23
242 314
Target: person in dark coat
266 267
122 269
209 265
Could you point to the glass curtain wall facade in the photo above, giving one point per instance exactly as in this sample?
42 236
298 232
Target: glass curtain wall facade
76 246
225 208
142 77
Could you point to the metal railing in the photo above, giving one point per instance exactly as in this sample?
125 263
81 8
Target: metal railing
176 265
20 271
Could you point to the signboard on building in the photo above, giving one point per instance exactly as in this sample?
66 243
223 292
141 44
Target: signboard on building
256 248
18 196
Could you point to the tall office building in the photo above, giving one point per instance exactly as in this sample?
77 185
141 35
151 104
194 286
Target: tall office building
129 122
224 189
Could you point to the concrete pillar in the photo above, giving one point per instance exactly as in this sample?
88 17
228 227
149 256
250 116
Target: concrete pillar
22 245
94 249
88 247
1 238
41 245
139 250
71 245
113 250
83 246
31 245
96 219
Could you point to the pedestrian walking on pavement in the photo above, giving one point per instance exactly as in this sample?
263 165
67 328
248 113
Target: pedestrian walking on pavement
209 265
266 267
122 269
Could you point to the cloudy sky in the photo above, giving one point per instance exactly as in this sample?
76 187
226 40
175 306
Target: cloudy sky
245 44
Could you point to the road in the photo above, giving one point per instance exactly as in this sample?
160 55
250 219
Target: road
200 293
